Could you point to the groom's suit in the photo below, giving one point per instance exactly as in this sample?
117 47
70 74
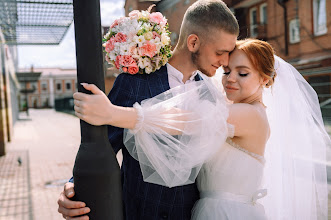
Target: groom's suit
145 200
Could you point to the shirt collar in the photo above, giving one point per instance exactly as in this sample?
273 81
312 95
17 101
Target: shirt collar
173 72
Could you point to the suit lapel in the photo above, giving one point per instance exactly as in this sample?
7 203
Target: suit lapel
158 81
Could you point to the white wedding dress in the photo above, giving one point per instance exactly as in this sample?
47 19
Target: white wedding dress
229 185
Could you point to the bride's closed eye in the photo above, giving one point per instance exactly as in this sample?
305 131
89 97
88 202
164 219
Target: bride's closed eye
243 74
240 74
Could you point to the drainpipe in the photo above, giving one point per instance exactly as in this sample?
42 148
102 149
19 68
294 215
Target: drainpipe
283 5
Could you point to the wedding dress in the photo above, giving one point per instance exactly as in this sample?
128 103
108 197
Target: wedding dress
182 136
230 185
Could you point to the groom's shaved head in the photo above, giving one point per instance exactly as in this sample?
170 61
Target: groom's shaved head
204 17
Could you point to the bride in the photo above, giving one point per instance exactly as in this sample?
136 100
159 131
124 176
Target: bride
257 154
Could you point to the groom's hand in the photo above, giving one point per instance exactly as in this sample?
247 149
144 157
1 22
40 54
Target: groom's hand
94 108
70 209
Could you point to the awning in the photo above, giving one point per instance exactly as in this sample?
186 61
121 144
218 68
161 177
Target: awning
35 22
28 76
316 71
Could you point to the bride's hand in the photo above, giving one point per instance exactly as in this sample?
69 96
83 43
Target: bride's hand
95 109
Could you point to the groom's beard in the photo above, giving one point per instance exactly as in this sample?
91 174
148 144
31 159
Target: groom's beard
195 57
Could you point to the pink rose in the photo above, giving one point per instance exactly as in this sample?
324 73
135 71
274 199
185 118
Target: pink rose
133 50
148 49
117 61
134 14
119 37
110 45
133 69
155 35
126 60
158 18
116 22
125 69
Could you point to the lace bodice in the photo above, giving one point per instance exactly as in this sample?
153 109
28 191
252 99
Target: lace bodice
256 156
232 169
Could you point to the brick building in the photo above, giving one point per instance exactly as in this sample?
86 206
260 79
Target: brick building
53 84
299 31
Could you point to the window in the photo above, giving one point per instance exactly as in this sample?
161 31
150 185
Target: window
263 14
58 86
294 31
44 86
253 22
68 85
319 17
34 87
130 9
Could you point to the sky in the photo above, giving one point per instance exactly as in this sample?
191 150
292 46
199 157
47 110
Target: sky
64 55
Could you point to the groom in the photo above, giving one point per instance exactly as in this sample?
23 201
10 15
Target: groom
208 34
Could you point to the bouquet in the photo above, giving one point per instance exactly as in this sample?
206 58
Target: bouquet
139 43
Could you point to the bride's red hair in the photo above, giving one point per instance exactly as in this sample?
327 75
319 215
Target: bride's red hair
261 55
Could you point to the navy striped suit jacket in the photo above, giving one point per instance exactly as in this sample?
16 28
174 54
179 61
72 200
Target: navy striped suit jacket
146 201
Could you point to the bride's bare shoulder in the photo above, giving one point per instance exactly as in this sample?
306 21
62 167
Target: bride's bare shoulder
247 111
247 118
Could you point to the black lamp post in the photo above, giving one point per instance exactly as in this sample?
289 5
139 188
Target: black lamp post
96 172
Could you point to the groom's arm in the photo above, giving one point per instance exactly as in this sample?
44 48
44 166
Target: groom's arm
69 209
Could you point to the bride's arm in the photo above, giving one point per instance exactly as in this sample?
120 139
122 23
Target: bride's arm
97 109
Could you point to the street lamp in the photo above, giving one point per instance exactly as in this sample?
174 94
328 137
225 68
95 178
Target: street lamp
96 172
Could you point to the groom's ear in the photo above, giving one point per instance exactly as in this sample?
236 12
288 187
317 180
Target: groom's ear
193 43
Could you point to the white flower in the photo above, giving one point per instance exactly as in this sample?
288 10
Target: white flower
144 14
141 63
147 27
112 55
148 69
139 40
134 53
107 35
157 40
124 49
165 39
148 35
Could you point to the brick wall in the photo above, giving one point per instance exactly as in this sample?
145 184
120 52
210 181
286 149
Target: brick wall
309 43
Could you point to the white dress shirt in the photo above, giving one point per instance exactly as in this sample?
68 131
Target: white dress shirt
175 77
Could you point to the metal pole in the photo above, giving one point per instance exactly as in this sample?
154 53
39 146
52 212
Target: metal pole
26 97
96 172
282 3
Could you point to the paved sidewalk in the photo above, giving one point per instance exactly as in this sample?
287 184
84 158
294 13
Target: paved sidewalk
46 143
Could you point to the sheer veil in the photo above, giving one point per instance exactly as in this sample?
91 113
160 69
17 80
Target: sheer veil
295 172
